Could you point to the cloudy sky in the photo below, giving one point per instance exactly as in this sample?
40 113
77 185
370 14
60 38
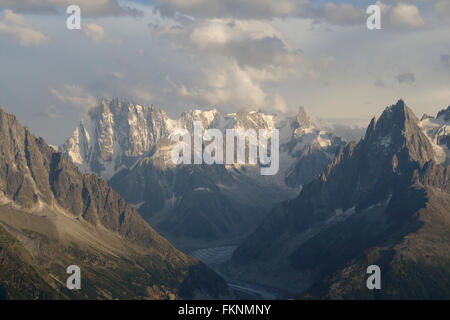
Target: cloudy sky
228 54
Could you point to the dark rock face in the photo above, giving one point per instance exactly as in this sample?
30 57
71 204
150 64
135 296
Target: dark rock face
32 172
186 205
445 114
379 201
312 162
34 178
303 119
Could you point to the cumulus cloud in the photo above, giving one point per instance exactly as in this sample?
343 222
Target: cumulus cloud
406 78
237 59
75 96
228 86
251 42
89 8
97 33
401 16
397 16
406 15
221 32
246 9
15 26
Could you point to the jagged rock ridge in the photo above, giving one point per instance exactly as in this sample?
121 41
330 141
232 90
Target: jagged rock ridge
383 201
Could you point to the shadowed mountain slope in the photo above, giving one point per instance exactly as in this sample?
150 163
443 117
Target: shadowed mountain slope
383 201
53 216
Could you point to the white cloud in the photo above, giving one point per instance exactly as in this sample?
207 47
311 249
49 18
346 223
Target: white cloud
74 96
97 33
237 59
227 85
251 42
230 87
221 32
279 104
16 27
406 15
118 75
142 95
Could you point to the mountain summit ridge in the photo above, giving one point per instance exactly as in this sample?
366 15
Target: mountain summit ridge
115 134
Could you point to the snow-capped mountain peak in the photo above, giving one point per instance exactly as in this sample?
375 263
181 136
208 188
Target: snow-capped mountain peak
117 135
437 130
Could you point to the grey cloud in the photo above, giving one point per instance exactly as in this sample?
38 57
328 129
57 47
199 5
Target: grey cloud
75 96
406 78
445 60
49 112
442 10
89 8
380 84
231 8
395 16
343 14
261 52
15 26
251 43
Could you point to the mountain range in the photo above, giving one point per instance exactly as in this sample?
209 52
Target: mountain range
334 208
384 201
195 205
53 216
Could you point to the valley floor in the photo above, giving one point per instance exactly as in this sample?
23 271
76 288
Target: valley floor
216 257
